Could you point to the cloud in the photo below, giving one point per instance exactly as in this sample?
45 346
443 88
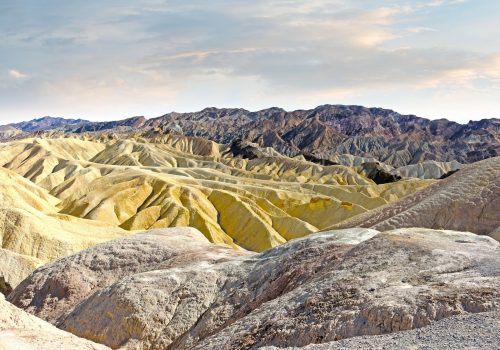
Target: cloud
418 30
437 3
14 73
90 56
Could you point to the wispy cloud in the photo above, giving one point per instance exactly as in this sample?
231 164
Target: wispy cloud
418 30
14 73
150 56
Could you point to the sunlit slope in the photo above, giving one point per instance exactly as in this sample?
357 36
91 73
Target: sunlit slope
31 225
179 181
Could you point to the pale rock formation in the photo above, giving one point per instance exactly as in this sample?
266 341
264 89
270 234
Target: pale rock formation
14 268
8 132
22 331
65 282
316 289
429 169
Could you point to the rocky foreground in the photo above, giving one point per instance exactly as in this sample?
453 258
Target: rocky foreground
172 289
22 331
471 332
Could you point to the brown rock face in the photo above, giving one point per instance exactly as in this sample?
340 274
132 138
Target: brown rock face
328 130
468 200
323 132
324 287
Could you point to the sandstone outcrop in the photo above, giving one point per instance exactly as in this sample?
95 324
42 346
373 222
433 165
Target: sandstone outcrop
468 200
320 288
31 225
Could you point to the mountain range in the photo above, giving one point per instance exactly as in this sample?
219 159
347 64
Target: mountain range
323 133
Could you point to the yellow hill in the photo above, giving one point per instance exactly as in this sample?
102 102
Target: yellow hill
84 186
31 225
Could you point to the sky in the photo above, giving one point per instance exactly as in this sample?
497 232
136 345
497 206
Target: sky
113 59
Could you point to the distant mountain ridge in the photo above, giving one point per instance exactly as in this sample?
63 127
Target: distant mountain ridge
46 123
336 129
323 132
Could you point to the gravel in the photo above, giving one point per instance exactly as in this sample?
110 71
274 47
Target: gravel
471 331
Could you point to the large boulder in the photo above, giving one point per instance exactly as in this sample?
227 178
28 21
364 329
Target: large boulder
137 293
61 285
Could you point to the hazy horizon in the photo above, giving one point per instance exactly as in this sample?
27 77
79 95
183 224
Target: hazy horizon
123 58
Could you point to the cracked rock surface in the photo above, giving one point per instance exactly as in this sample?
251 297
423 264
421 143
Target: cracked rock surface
324 287
470 331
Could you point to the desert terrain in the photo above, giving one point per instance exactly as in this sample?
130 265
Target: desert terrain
350 228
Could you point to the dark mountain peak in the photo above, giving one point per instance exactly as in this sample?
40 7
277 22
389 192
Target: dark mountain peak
327 131
223 111
126 124
345 111
132 120
271 110
45 123
493 122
